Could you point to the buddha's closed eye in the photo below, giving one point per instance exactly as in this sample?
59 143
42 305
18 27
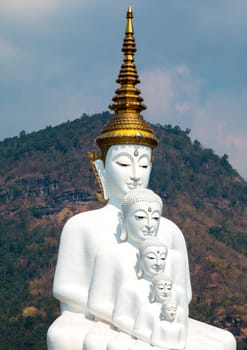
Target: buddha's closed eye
139 217
123 164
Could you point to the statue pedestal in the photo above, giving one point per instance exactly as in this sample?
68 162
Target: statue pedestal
202 336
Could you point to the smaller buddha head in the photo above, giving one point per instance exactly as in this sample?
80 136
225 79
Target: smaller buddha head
168 311
161 288
140 215
151 258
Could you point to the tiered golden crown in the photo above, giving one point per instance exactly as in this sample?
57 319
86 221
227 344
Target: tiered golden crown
127 125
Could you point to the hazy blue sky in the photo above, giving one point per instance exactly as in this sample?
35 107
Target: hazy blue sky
59 59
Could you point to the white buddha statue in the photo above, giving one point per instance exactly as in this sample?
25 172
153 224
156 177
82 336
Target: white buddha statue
171 329
163 289
136 315
174 268
139 219
156 322
125 163
133 294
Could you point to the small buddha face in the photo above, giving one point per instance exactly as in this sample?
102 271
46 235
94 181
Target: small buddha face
162 290
142 220
169 311
127 167
153 260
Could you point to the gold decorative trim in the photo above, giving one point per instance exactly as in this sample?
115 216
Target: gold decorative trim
93 156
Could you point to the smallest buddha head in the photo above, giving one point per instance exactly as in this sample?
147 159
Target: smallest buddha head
151 258
160 288
168 311
140 215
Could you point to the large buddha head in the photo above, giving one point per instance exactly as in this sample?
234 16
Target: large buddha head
127 140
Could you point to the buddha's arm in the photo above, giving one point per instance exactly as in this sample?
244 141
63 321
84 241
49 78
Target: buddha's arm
144 324
176 268
70 282
181 298
104 286
179 244
124 313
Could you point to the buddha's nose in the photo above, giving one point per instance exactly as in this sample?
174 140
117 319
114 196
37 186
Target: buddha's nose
135 175
158 262
149 226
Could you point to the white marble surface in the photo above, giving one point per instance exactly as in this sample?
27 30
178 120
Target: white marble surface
90 249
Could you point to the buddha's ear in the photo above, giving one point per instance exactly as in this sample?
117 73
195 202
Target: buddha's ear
98 169
100 176
123 234
139 269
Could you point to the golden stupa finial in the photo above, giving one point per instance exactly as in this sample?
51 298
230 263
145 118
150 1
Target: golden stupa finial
127 125
129 24
127 99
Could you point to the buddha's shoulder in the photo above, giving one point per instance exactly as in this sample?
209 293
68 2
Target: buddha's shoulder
91 218
168 224
118 251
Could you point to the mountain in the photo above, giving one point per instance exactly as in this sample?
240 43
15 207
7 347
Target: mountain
45 178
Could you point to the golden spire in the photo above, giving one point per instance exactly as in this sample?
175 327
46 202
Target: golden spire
128 100
127 126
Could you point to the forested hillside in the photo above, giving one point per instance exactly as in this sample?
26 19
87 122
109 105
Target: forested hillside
45 178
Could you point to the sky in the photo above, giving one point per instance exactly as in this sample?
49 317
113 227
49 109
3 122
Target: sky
60 59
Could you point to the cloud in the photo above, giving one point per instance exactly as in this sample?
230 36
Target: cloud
227 17
173 96
35 9
15 62
170 93
220 123
26 8
9 52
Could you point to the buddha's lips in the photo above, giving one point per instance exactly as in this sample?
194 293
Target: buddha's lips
133 184
164 295
157 268
147 233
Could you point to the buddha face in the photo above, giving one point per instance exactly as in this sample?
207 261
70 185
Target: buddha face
169 311
153 260
142 220
127 167
162 290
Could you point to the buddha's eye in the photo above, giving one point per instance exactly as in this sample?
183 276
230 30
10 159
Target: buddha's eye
123 164
156 215
139 217
144 163
123 161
